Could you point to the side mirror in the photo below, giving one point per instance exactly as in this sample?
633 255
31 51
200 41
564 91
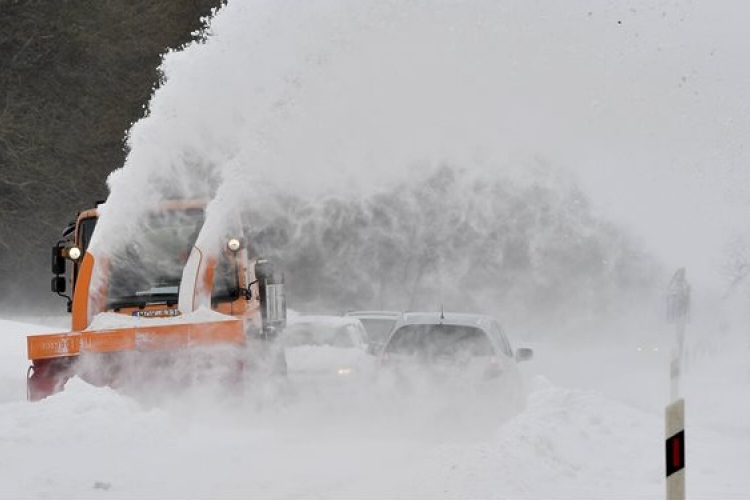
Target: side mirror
524 354
58 261
58 284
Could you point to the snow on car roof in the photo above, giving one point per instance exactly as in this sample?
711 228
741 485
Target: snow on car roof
322 320
429 318
375 314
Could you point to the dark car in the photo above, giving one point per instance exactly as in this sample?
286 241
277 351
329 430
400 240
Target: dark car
379 325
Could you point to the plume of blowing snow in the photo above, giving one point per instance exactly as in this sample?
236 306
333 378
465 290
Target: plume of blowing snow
308 98
335 95
343 98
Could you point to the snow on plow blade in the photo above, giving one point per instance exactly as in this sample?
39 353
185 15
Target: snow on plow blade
140 338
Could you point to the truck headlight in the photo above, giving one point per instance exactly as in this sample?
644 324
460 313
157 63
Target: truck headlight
234 245
74 253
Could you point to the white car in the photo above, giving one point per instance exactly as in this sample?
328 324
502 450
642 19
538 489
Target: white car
379 325
325 346
468 351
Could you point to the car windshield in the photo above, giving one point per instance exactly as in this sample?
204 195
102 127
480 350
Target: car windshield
436 341
378 328
149 269
300 334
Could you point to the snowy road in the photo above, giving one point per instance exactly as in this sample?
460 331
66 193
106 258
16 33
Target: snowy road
592 428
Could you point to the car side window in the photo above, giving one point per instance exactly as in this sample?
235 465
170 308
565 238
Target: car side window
502 338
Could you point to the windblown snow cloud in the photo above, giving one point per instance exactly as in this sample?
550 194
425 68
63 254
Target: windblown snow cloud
288 96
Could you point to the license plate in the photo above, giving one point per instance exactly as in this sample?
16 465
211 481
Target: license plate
157 313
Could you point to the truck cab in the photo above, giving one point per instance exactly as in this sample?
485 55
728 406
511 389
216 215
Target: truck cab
143 278
162 275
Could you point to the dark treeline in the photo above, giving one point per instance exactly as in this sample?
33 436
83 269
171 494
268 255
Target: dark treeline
74 76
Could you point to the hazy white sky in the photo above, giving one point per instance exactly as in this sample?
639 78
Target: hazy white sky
662 146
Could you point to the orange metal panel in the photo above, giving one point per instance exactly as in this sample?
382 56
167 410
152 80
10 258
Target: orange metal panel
122 339
163 337
220 332
87 214
153 338
227 308
81 296
54 345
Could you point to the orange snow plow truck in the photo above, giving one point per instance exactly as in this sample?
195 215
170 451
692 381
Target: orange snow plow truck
159 297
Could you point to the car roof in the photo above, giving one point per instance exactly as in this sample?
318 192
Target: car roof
322 320
433 318
375 314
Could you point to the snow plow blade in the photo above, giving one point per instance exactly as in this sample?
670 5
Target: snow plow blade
141 338
53 356
164 337
54 345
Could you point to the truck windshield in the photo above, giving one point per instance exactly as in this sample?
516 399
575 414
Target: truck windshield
149 269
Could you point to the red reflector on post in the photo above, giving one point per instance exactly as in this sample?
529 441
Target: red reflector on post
675 453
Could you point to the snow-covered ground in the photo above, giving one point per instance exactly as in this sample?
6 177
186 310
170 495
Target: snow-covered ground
592 428
643 100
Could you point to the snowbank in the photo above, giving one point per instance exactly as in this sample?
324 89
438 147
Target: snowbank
306 440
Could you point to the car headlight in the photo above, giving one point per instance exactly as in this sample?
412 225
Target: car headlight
345 371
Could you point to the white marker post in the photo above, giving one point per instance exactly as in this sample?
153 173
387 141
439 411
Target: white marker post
678 312
675 450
